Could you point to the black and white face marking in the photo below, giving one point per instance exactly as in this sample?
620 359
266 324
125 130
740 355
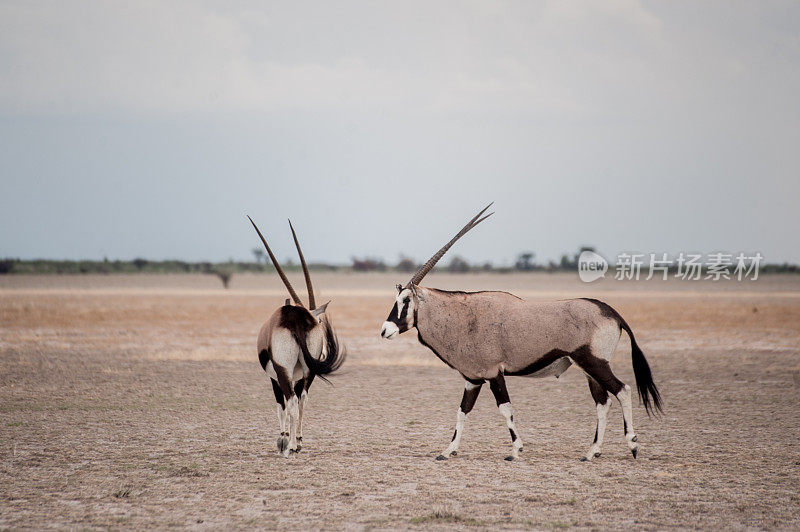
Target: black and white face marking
401 318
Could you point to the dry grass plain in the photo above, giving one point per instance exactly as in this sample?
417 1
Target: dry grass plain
133 402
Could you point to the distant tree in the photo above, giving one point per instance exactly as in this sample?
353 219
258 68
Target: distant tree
368 265
458 265
525 261
140 263
571 263
406 264
6 265
258 253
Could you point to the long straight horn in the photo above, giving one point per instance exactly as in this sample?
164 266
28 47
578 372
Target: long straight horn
428 266
311 303
277 266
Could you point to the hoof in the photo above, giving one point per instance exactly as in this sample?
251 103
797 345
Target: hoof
454 453
441 457
584 459
299 444
508 458
597 455
635 439
634 451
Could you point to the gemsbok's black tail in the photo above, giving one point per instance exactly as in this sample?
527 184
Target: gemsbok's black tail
648 393
334 352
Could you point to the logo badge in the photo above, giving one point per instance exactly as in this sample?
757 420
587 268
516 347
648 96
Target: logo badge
591 266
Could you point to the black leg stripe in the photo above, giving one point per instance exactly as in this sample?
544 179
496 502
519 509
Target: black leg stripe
498 387
513 435
454 435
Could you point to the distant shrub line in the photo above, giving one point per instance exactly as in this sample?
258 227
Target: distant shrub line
225 270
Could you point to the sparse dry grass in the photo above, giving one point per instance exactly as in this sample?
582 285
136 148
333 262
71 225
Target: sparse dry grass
139 402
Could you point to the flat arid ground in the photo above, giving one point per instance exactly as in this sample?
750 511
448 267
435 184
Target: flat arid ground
138 401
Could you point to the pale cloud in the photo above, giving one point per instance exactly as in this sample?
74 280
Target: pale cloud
658 126
553 57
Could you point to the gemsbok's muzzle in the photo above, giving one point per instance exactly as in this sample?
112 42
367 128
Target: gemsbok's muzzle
389 330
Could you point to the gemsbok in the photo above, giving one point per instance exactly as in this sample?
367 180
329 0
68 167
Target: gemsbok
488 335
295 345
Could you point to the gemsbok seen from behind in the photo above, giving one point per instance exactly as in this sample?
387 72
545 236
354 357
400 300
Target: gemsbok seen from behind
295 345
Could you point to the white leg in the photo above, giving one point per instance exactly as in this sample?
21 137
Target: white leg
283 439
294 413
498 386
303 399
602 417
452 449
508 412
471 392
282 418
624 398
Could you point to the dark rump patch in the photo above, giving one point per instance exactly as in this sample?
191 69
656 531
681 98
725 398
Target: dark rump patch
299 322
296 319
645 385
597 368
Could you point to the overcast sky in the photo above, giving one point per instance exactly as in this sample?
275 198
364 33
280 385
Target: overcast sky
151 128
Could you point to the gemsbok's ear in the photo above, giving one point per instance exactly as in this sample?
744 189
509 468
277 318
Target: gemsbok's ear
319 311
399 288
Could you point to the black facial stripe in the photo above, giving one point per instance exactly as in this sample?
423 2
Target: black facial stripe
404 313
401 319
393 314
